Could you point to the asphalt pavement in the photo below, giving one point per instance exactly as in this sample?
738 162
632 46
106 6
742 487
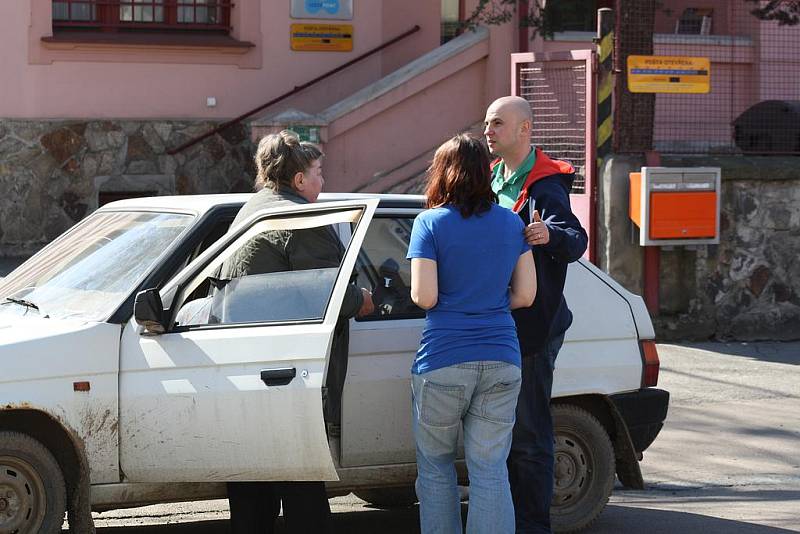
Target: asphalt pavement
727 460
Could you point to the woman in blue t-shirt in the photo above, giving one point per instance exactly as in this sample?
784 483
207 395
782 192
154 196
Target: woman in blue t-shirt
470 266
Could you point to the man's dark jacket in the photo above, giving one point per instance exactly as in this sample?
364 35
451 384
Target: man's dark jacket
546 189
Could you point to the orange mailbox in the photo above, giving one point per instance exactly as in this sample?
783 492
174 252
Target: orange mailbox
676 206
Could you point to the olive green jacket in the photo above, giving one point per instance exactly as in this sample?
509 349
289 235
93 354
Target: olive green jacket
289 250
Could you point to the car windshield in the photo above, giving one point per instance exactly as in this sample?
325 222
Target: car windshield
88 273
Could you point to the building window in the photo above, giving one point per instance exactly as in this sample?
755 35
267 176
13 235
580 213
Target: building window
124 15
572 15
451 22
65 11
694 21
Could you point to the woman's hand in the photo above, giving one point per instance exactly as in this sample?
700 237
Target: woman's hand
367 307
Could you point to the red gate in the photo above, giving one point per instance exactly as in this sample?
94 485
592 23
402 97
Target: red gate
560 87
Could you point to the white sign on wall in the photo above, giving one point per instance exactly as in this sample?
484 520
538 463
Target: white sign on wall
322 9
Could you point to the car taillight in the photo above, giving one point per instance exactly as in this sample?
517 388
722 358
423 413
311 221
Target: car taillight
651 364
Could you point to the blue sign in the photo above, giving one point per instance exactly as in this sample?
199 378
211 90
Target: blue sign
330 6
322 9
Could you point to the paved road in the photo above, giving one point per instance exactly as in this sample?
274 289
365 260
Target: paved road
728 460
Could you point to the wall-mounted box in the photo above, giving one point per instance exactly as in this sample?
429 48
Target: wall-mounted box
676 205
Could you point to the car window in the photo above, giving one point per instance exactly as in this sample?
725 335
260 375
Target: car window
90 270
280 270
212 235
383 265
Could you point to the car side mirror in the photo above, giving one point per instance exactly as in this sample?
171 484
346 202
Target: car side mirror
148 311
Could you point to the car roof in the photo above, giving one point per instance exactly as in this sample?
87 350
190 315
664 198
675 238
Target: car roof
202 203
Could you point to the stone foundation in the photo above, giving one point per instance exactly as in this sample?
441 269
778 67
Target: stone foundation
54 173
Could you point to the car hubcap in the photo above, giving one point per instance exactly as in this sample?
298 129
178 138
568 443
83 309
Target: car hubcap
571 471
22 504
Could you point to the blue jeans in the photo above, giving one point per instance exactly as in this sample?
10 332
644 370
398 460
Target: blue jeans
530 464
482 397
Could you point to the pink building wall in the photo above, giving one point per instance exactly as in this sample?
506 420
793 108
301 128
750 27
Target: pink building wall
403 125
384 140
149 81
386 133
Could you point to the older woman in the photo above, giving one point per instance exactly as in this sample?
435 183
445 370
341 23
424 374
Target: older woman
469 266
290 172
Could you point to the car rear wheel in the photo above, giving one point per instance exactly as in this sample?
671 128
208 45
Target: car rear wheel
389 497
32 493
584 469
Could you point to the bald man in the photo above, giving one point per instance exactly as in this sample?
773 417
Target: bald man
526 180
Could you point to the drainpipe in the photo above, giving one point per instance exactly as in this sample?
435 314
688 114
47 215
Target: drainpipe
522 13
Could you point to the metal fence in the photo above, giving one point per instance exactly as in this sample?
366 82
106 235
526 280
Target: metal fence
753 106
556 91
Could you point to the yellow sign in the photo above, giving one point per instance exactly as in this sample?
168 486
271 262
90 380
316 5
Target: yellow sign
669 74
322 37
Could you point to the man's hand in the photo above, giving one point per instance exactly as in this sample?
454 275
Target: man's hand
367 307
536 233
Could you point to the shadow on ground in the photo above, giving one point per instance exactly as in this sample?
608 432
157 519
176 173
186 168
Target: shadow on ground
615 519
787 352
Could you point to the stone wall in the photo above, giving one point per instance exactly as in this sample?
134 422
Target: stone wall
53 173
745 288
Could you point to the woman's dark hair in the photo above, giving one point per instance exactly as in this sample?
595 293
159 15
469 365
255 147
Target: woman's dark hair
460 176
280 157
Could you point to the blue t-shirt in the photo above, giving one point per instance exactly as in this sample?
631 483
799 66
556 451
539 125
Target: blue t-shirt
475 258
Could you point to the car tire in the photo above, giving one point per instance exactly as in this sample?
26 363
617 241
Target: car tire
32 491
389 497
584 469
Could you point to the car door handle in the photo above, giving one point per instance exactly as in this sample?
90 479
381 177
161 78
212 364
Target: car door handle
278 377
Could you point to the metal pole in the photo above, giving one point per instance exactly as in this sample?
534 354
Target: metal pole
652 256
605 84
462 16
523 44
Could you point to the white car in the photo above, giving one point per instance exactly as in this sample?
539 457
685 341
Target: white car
219 381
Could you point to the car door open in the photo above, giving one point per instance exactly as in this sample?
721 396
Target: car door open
233 389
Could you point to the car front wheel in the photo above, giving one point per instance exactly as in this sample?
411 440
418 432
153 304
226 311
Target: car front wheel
584 468
32 494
